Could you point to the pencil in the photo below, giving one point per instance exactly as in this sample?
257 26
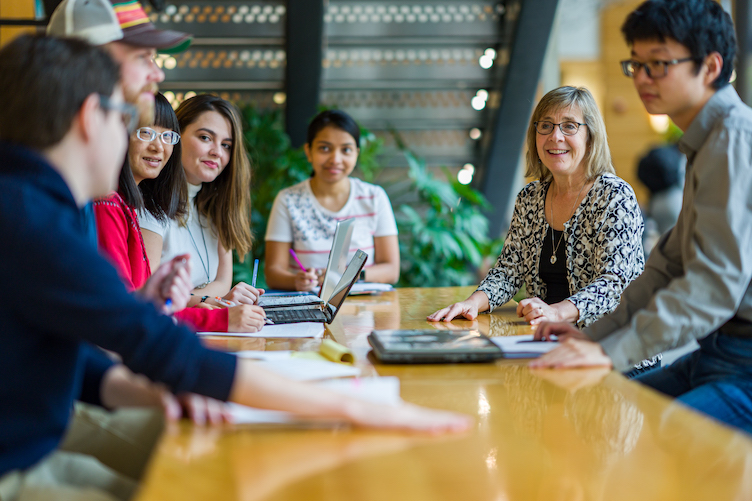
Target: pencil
255 273
295 257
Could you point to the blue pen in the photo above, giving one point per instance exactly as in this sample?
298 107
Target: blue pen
168 304
255 273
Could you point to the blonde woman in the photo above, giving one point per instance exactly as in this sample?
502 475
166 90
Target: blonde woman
576 235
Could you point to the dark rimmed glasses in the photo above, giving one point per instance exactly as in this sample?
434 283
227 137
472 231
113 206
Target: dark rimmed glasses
128 112
148 135
545 127
655 69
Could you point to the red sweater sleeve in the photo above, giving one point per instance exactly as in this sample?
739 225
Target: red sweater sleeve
204 319
112 234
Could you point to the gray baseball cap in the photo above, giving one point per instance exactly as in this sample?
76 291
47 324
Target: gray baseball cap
104 21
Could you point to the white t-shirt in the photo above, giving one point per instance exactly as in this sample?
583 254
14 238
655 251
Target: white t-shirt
297 217
196 239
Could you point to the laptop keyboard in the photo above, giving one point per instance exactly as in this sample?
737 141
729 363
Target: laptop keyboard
288 316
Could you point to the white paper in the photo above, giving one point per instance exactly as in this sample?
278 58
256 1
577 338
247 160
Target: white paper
523 346
302 369
383 390
265 355
300 329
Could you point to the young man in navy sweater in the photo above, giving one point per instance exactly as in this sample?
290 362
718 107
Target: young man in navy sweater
62 140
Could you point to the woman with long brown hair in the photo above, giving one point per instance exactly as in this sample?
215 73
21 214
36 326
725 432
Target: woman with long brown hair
218 172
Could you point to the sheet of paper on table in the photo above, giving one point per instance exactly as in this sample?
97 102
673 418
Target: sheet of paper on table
523 346
383 390
286 364
300 329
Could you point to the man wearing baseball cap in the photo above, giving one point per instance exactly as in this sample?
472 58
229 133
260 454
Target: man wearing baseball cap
124 30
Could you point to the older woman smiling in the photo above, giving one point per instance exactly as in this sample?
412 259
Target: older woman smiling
576 233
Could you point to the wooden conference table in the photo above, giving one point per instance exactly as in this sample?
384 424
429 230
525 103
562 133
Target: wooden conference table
539 435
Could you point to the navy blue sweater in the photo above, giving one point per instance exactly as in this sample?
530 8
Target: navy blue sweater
61 299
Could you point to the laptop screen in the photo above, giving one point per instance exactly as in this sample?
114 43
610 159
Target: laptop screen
348 279
337 258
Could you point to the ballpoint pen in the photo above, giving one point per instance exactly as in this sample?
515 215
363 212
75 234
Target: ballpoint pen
255 273
295 257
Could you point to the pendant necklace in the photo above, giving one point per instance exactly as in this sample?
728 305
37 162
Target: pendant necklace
206 265
553 254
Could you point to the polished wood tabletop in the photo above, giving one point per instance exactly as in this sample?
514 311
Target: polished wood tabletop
539 435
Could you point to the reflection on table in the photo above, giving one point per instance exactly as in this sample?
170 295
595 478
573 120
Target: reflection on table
540 435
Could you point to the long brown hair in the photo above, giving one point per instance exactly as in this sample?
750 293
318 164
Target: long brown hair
226 201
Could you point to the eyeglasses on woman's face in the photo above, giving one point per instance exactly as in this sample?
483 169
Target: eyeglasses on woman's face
545 127
148 135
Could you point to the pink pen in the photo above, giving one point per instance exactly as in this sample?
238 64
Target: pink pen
295 257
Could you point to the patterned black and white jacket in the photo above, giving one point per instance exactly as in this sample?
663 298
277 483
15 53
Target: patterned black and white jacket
603 247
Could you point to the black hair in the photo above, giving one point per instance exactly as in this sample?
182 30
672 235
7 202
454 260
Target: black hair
166 196
336 118
44 81
702 26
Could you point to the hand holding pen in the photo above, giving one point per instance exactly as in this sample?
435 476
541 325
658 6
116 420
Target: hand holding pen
169 287
305 280
243 293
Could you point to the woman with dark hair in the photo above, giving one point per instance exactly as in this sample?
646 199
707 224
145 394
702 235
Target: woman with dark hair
304 216
218 175
151 181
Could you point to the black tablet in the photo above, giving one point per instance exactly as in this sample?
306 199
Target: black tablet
424 346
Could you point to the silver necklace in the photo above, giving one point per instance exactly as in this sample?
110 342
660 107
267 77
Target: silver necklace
206 265
571 212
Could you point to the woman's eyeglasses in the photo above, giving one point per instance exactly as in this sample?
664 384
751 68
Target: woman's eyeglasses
148 135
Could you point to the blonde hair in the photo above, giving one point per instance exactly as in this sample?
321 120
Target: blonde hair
597 158
226 201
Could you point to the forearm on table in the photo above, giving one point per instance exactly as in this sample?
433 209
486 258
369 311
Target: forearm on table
212 290
566 311
256 387
387 273
278 278
480 300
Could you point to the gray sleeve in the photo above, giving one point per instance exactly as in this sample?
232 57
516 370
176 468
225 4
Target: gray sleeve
716 266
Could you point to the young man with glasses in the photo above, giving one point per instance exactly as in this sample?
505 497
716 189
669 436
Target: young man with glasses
696 283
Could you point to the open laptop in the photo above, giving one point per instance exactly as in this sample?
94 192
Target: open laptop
326 310
335 268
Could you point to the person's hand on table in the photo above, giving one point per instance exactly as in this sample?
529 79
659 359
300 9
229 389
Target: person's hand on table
306 280
562 331
243 293
573 353
246 318
201 410
534 310
467 309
